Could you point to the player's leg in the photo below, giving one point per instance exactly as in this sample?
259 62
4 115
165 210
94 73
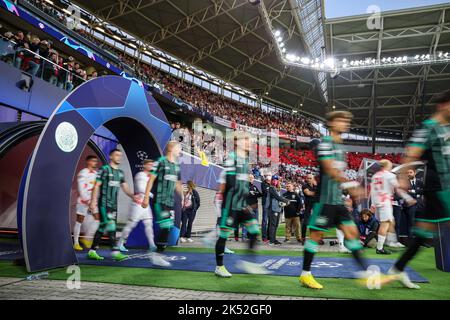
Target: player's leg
111 230
92 254
385 215
341 241
311 248
90 224
133 220
421 231
352 242
391 238
382 233
251 224
227 222
147 219
77 228
165 223
322 215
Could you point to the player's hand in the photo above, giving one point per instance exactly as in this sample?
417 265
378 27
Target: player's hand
145 203
356 193
411 202
92 206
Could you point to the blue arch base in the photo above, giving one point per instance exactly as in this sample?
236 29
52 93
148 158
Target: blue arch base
123 107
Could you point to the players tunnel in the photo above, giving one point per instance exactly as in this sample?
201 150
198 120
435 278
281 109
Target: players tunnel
124 108
17 142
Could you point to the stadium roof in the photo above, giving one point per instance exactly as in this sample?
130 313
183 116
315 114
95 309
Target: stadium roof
234 40
401 95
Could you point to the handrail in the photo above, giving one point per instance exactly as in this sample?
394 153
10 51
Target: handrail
40 57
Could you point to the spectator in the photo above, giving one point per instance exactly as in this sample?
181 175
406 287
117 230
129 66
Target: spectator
275 209
265 186
190 205
415 190
368 227
252 200
292 213
311 194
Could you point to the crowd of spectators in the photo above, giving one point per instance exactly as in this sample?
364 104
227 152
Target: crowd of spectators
67 73
203 101
294 164
39 58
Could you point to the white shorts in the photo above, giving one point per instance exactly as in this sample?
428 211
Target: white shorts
137 213
385 213
83 209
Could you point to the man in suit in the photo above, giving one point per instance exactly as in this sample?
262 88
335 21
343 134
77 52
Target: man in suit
265 185
415 190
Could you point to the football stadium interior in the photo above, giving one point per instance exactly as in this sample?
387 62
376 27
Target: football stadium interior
95 80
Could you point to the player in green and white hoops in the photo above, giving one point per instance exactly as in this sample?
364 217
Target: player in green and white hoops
430 143
330 211
234 187
104 198
166 175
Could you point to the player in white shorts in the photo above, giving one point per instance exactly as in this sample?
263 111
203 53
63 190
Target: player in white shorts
137 213
384 184
85 182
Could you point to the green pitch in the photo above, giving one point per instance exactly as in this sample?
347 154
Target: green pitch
438 288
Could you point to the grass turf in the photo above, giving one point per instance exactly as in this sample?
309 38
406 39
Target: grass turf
438 288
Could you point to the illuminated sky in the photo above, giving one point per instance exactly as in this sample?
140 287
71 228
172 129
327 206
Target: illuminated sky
343 8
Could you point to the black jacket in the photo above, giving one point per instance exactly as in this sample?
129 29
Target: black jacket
264 190
253 195
195 201
416 190
292 210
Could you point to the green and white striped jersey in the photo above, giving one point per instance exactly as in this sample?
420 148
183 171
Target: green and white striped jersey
329 189
236 183
111 180
434 139
167 175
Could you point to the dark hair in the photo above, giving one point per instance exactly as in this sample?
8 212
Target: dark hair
90 157
114 150
366 212
442 97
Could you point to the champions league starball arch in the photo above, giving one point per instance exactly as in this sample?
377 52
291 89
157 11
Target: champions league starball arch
123 107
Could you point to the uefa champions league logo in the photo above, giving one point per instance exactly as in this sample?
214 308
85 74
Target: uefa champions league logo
142 155
66 137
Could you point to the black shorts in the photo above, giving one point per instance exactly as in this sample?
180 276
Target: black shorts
235 218
326 216
435 208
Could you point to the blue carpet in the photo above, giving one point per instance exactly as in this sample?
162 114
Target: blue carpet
279 265
205 262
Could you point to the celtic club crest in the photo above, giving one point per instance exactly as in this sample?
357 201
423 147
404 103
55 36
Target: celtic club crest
66 137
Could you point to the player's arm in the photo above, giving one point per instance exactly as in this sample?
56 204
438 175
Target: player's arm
82 182
333 172
353 187
147 192
126 188
95 189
